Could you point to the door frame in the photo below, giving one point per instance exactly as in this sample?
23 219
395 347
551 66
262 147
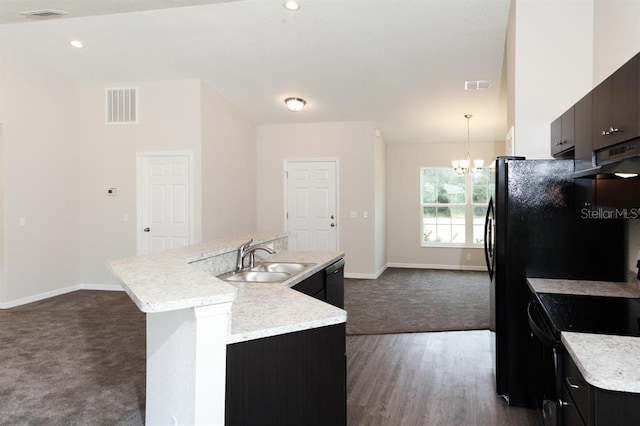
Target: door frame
141 159
285 172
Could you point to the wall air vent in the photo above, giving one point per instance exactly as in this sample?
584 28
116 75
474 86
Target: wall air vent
44 13
477 84
122 105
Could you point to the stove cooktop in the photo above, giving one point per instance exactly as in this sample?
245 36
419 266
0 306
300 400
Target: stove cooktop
592 314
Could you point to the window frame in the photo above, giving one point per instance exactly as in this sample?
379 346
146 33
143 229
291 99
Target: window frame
469 207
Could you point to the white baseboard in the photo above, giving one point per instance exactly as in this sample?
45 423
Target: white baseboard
58 292
438 266
366 276
102 287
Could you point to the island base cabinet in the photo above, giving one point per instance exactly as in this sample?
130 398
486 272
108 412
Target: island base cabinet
290 379
584 404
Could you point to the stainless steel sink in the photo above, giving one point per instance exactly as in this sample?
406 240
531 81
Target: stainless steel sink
267 272
289 267
256 276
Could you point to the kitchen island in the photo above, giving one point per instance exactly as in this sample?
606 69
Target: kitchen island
192 316
600 370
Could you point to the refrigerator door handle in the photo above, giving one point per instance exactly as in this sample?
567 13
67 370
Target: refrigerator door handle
488 238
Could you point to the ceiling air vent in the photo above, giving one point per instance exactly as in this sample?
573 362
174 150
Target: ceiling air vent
44 13
477 84
122 105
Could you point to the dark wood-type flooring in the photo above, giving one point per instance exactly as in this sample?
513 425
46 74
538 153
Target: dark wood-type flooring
443 378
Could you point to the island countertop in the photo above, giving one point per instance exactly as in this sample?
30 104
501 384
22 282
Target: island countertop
608 362
168 281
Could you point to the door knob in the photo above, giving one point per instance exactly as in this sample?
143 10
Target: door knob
147 229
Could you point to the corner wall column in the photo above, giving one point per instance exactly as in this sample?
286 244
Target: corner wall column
186 365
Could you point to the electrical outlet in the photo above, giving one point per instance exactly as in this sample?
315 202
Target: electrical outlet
354 214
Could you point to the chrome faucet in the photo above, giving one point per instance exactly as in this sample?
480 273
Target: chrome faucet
246 250
241 253
251 252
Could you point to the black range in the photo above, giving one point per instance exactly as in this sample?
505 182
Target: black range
591 314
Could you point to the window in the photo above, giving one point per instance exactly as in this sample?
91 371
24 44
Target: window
454 205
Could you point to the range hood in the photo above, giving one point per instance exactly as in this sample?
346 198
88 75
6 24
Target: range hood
617 161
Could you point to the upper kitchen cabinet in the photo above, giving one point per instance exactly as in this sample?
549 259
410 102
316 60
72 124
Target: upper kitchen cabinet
562 135
582 133
616 106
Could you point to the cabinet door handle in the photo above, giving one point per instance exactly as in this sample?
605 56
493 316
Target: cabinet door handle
146 229
610 131
570 383
562 403
333 225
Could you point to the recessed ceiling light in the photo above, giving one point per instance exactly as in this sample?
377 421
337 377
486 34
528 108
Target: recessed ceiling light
291 5
295 104
77 44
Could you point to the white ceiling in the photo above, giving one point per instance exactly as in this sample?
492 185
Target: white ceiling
401 63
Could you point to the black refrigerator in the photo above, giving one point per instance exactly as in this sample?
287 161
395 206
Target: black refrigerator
535 229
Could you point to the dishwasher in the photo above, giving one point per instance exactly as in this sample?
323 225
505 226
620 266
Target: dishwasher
334 283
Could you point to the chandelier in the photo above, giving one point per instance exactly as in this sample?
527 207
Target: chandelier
463 166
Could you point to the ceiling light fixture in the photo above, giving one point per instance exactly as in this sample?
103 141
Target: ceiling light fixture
291 5
462 166
295 104
77 44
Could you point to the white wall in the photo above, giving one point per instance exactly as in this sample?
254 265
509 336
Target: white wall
403 200
169 120
40 174
552 68
616 35
380 213
353 144
228 168
2 168
59 157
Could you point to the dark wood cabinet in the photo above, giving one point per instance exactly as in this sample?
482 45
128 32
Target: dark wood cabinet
583 404
313 286
562 135
616 106
326 285
583 151
290 379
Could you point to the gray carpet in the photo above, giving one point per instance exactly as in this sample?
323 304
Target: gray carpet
75 359
417 300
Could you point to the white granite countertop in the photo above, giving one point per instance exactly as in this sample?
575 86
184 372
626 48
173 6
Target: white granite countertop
607 362
166 281
269 309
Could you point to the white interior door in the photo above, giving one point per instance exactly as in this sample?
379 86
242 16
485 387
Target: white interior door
312 205
164 201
